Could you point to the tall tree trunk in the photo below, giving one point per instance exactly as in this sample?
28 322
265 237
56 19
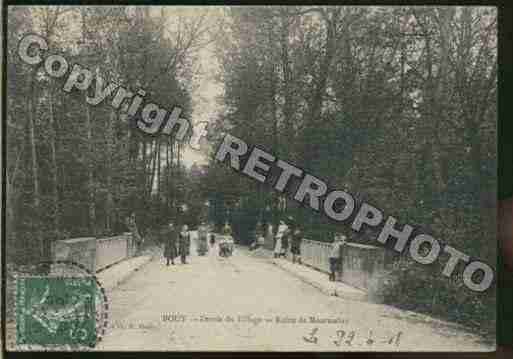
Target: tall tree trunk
276 143
90 173
287 82
109 208
178 174
315 107
55 168
167 175
90 150
158 169
178 158
32 139
433 184
35 169
441 96
171 176
322 78
153 168
143 173
11 195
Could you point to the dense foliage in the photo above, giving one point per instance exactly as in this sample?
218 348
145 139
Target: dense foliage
78 170
397 105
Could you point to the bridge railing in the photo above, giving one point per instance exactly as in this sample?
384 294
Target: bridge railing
315 254
361 266
94 253
111 250
77 250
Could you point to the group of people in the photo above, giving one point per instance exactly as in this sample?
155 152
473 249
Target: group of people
288 236
288 233
177 244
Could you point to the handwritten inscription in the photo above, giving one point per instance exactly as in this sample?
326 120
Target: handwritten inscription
344 337
318 330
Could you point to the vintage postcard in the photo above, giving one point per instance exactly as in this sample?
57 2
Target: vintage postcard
250 178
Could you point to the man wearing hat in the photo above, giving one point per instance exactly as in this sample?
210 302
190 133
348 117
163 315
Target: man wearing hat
170 252
184 243
335 254
296 236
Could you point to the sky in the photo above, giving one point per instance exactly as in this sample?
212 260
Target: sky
205 107
206 88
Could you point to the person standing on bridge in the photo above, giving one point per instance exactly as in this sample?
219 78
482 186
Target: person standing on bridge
227 229
137 239
279 249
170 252
258 239
295 242
335 254
184 243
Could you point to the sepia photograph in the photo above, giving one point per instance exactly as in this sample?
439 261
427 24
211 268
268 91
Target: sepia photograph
275 178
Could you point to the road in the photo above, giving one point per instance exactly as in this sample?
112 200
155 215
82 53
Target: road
245 302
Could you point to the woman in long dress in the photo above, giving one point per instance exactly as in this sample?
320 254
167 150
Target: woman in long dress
137 239
170 252
184 244
279 250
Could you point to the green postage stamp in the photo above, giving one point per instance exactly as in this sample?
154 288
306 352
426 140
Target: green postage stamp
56 311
